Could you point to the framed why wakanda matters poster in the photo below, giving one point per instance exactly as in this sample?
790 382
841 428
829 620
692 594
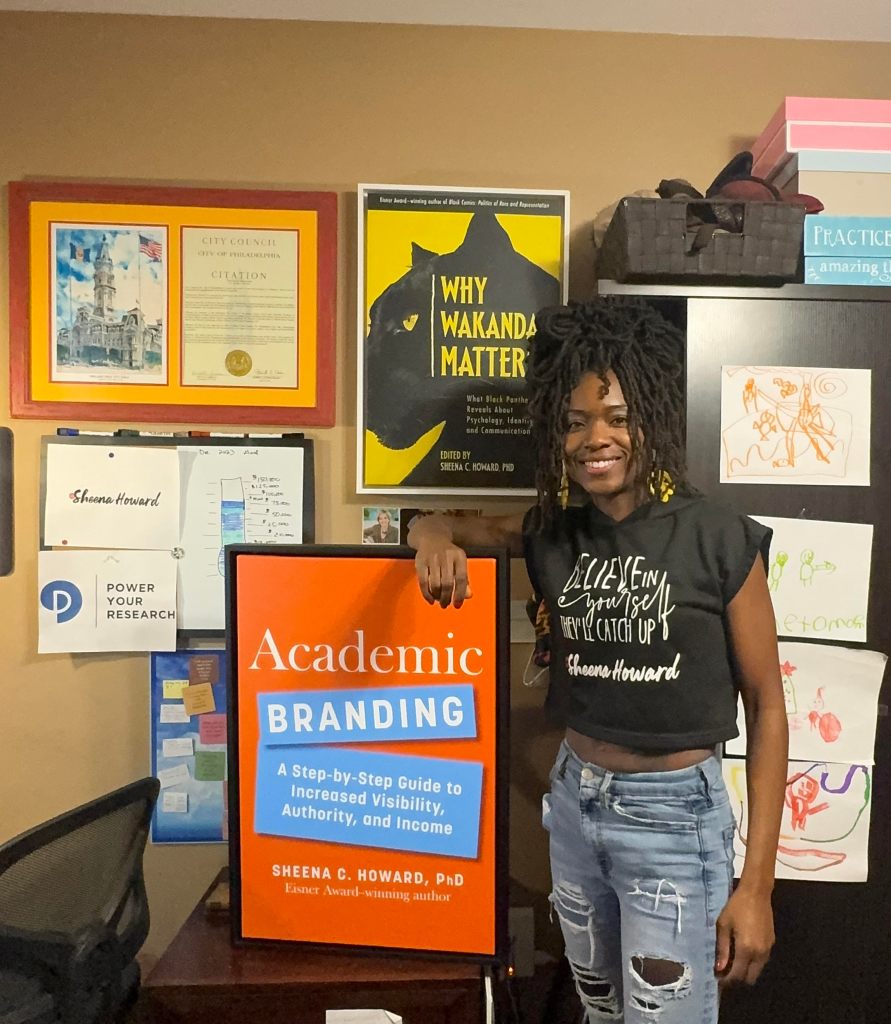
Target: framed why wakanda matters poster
171 304
368 752
450 281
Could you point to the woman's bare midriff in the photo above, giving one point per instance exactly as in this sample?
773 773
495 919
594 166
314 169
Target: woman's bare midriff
622 759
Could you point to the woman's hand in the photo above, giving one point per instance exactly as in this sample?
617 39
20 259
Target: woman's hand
442 572
441 562
745 937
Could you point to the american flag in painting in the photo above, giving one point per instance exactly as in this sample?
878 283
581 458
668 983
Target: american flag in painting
150 247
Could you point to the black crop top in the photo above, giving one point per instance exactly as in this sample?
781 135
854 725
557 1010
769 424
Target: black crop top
639 653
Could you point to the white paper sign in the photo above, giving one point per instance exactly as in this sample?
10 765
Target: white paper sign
106 496
106 601
824 833
173 714
819 578
831 696
232 496
174 776
175 803
180 746
795 425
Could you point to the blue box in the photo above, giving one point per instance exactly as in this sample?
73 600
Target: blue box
826 235
849 270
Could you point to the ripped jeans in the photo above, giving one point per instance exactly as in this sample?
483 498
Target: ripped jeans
642 865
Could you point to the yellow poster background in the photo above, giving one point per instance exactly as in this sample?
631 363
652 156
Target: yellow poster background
389 235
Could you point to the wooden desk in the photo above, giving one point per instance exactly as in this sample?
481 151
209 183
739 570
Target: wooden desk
203 979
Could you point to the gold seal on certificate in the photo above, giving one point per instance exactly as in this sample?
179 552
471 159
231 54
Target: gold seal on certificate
238 362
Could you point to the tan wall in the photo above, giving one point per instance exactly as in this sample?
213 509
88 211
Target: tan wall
291 105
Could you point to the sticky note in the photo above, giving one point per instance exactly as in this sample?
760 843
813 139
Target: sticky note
173 714
198 699
212 729
175 803
204 668
180 747
173 688
173 776
210 765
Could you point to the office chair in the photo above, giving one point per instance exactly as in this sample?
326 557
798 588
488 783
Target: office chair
74 913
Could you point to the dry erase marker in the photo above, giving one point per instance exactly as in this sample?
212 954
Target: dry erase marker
75 432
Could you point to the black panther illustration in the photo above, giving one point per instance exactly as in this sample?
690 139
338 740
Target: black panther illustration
411 385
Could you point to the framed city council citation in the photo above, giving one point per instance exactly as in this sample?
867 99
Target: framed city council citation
450 281
369 753
171 304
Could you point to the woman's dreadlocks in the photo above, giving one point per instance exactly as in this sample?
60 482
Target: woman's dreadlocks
629 337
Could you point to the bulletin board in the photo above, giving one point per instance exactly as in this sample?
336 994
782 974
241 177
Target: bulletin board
189 750
368 744
231 490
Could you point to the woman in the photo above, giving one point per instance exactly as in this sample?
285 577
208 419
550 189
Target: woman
382 532
660 615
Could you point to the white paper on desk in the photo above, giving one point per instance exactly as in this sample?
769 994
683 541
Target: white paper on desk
818 578
106 601
107 496
237 495
361 1017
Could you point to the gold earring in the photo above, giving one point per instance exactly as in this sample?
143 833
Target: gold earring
563 494
663 484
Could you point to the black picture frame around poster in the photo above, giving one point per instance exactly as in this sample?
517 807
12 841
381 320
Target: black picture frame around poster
502 749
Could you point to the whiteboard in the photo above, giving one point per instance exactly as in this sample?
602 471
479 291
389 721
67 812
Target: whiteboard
251 490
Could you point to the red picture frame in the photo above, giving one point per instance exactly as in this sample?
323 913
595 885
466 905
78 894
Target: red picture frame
53 370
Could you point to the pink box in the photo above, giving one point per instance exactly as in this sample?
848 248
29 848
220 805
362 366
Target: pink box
796 136
855 138
826 110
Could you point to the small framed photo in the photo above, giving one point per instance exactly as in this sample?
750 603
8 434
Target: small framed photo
380 525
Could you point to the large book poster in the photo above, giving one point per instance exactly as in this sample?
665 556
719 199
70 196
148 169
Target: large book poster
368 776
450 281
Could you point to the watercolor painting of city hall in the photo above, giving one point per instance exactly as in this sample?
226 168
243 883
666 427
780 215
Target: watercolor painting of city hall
99 336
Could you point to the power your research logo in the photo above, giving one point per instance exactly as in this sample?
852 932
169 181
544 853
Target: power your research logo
62 598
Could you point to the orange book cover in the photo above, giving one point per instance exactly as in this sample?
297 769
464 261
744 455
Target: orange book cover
367 755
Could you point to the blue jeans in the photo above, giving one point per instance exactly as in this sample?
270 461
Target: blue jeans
642 865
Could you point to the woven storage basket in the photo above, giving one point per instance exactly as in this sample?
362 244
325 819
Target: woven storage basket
648 240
